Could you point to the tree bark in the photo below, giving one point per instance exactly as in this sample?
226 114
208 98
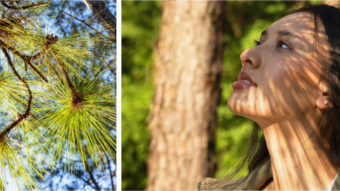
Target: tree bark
188 65
103 15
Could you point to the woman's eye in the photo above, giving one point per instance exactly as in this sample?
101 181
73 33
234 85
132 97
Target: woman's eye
281 44
257 42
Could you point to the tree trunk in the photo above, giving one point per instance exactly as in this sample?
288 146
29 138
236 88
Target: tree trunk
188 65
103 15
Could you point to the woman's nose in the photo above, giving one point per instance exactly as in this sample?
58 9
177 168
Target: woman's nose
251 58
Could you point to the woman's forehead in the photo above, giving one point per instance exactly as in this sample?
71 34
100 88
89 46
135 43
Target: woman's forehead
301 23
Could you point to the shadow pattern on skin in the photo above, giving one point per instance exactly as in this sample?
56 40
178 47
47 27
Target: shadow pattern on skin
288 103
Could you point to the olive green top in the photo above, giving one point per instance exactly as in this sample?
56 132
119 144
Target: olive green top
254 181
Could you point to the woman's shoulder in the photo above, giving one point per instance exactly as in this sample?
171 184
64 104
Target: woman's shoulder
336 185
253 181
220 184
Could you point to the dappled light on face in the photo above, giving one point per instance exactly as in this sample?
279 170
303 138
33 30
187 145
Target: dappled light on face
287 79
289 67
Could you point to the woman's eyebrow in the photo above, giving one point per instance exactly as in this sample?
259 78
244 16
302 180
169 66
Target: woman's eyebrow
284 33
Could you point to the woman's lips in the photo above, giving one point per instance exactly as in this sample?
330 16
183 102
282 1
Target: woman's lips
243 81
242 85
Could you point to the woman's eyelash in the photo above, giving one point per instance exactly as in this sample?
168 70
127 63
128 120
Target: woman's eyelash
257 42
281 43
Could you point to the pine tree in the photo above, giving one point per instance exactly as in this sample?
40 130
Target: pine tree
182 119
55 102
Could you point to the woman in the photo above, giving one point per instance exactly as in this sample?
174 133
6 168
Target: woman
289 85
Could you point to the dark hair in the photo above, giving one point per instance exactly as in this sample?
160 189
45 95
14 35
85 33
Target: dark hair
257 153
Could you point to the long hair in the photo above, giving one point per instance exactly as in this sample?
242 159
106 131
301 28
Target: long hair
258 153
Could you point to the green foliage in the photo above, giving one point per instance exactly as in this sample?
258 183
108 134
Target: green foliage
83 128
135 135
20 151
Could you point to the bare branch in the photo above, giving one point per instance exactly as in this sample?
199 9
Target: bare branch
92 177
111 174
89 26
86 181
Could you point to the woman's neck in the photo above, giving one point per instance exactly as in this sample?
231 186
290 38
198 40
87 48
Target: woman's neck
298 157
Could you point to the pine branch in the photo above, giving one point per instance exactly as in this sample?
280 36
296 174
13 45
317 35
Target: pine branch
10 63
36 71
30 97
49 41
20 117
27 59
4 133
23 7
75 98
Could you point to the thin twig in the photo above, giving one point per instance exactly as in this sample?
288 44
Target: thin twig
88 26
92 177
86 181
97 95
109 67
23 7
109 165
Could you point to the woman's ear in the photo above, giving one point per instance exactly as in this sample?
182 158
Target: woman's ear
323 101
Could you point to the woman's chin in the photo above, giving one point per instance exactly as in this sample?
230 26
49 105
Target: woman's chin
236 107
242 106
236 104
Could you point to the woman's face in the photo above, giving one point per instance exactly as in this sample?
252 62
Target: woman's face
285 70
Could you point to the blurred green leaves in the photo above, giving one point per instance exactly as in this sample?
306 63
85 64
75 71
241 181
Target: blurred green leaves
139 31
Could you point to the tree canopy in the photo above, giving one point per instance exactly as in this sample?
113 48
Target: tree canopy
57 93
